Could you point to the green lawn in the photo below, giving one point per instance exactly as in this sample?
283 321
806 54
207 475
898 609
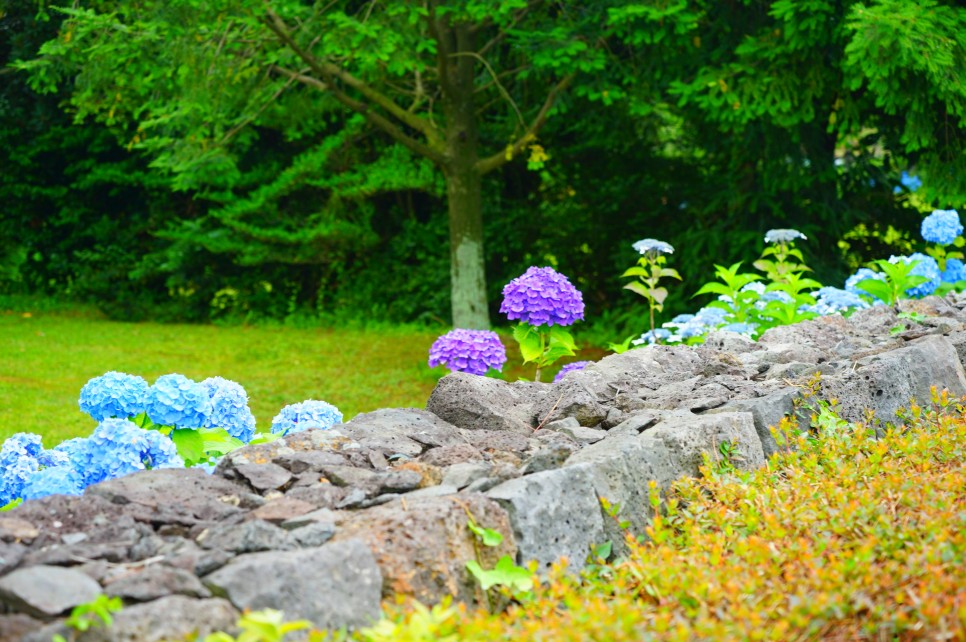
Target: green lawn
45 359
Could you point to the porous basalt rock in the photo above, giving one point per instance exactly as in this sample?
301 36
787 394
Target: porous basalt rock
324 523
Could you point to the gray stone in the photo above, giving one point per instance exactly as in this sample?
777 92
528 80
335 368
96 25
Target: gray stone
730 342
554 514
547 458
282 509
13 529
323 495
335 585
153 582
453 454
323 515
493 441
398 481
175 617
580 395
767 412
180 496
312 460
583 435
264 477
314 534
349 476
422 544
46 591
621 470
247 537
462 475
10 555
430 491
636 423
479 403
409 431
687 440
15 627
888 381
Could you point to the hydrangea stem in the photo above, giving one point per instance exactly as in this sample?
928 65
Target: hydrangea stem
543 350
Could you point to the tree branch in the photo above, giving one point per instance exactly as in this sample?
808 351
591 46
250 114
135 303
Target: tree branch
373 117
330 71
486 165
506 95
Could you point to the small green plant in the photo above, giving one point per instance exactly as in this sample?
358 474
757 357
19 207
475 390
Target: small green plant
649 271
898 279
739 302
11 505
778 259
422 624
506 573
99 612
267 625
788 309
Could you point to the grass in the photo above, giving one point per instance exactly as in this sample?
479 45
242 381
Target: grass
851 538
47 356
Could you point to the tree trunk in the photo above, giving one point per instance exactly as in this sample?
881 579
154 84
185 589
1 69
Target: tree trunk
467 271
463 180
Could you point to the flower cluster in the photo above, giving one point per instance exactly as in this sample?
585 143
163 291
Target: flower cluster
176 400
942 227
473 351
652 247
229 408
542 296
831 300
655 335
955 271
571 367
117 447
297 417
783 236
113 394
927 267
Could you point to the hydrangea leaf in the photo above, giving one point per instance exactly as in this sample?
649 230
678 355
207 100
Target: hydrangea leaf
217 441
529 339
638 288
635 271
190 445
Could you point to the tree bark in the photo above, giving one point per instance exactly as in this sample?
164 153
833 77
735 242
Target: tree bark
463 179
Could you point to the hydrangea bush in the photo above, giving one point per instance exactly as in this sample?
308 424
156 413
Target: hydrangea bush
544 302
174 423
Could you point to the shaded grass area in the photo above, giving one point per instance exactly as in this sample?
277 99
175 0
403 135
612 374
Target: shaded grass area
852 538
45 359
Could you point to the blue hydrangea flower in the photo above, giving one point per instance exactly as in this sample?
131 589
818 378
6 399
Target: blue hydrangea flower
542 296
652 247
911 183
307 414
942 227
176 400
229 408
14 475
783 236
746 329
118 447
835 301
927 267
571 367
113 394
22 444
56 480
652 336
473 351
955 271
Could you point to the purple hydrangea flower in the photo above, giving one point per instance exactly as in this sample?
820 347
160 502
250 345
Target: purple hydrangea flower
942 227
307 414
113 394
176 400
473 351
927 267
229 408
955 271
57 480
571 367
542 296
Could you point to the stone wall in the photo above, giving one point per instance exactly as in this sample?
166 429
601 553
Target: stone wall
325 524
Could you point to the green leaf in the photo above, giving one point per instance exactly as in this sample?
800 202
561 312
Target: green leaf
671 272
878 289
635 271
713 288
658 294
638 288
529 339
489 536
217 441
190 445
